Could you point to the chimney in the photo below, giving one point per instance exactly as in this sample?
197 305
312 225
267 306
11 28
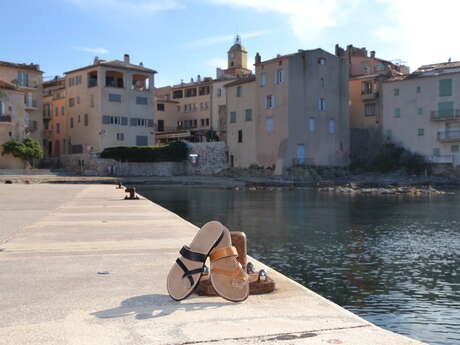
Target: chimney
126 58
198 78
96 60
258 58
373 54
141 64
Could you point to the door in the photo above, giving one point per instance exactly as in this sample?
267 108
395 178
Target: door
300 154
161 125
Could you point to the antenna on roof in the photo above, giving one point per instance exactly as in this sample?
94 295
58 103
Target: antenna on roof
450 60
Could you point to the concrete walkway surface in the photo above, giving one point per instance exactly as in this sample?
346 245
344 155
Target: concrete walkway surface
79 265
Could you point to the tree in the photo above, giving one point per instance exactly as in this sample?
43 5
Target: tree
28 149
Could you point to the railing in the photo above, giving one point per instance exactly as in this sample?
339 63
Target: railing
445 116
440 159
5 118
92 82
371 95
448 136
31 125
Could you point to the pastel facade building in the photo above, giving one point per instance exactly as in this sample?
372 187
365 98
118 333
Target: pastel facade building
27 78
109 103
299 112
421 112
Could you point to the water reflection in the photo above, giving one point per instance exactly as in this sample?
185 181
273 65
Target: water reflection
391 259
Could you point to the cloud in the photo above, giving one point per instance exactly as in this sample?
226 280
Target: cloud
423 34
307 18
139 6
212 40
100 51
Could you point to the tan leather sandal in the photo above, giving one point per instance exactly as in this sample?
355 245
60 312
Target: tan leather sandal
228 277
187 270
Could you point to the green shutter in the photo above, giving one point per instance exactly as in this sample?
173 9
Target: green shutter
396 92
420 111
454 148
419 89
445 87
446 109
436 152
397 112
248 115
421 132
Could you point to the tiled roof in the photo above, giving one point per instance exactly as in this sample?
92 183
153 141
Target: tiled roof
30 67
431 70
116 64
438 66
240 81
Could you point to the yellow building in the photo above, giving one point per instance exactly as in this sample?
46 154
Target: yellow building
109 103
28 79
421 112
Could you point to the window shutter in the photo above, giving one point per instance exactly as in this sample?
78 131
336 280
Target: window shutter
273 101
106 120
124 121
150 123
133 122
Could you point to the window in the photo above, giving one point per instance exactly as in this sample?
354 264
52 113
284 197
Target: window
92 101
207 122
190 92
202 122
124 121
367 87
161 125
23 79
71 122
379 67
120 136
397 112
419 111
300 154
388 134
141 100
56 111
312 124
79 119
279 76
436 152
365 67
1 108
160 107
219 92
269 124
58 128
238 91
263 80
240 136
454 148
114 97
86 120
78 99
418 89
178 94
321 104
331 126
142 140
445 87
71 102
370 109
62 110
248 115
322 61
203 90
396 92
270 102
233 117
420 132
446 109
195 123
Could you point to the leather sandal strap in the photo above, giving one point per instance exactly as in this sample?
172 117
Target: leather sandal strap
187 272
223 253
193 256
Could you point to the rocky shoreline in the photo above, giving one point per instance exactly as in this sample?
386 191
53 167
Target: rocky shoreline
408 190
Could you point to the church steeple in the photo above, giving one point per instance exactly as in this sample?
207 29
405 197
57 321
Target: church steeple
237 55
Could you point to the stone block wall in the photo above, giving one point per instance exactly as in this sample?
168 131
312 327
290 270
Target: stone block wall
212 158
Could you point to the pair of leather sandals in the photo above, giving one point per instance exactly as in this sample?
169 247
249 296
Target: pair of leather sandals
228 277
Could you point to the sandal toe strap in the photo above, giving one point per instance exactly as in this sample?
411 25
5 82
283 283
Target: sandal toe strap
193 256
189 273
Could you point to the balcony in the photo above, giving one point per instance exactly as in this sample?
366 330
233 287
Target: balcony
5 119
31 125
452 115
30 105
369 96
449 136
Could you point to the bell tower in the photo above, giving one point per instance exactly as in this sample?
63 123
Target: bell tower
237 59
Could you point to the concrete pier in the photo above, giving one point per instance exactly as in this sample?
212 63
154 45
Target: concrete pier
79 265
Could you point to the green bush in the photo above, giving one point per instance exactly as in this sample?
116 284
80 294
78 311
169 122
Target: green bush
174 152
28 149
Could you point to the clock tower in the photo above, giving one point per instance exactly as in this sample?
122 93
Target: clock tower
237 59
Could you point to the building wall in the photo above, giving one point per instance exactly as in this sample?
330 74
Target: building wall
242 154
218 100
32 98
13 105
358 117
415 112
94 101
272 146
309 81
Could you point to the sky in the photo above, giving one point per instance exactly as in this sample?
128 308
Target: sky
183 38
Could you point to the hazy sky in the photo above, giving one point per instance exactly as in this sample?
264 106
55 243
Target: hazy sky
183 38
